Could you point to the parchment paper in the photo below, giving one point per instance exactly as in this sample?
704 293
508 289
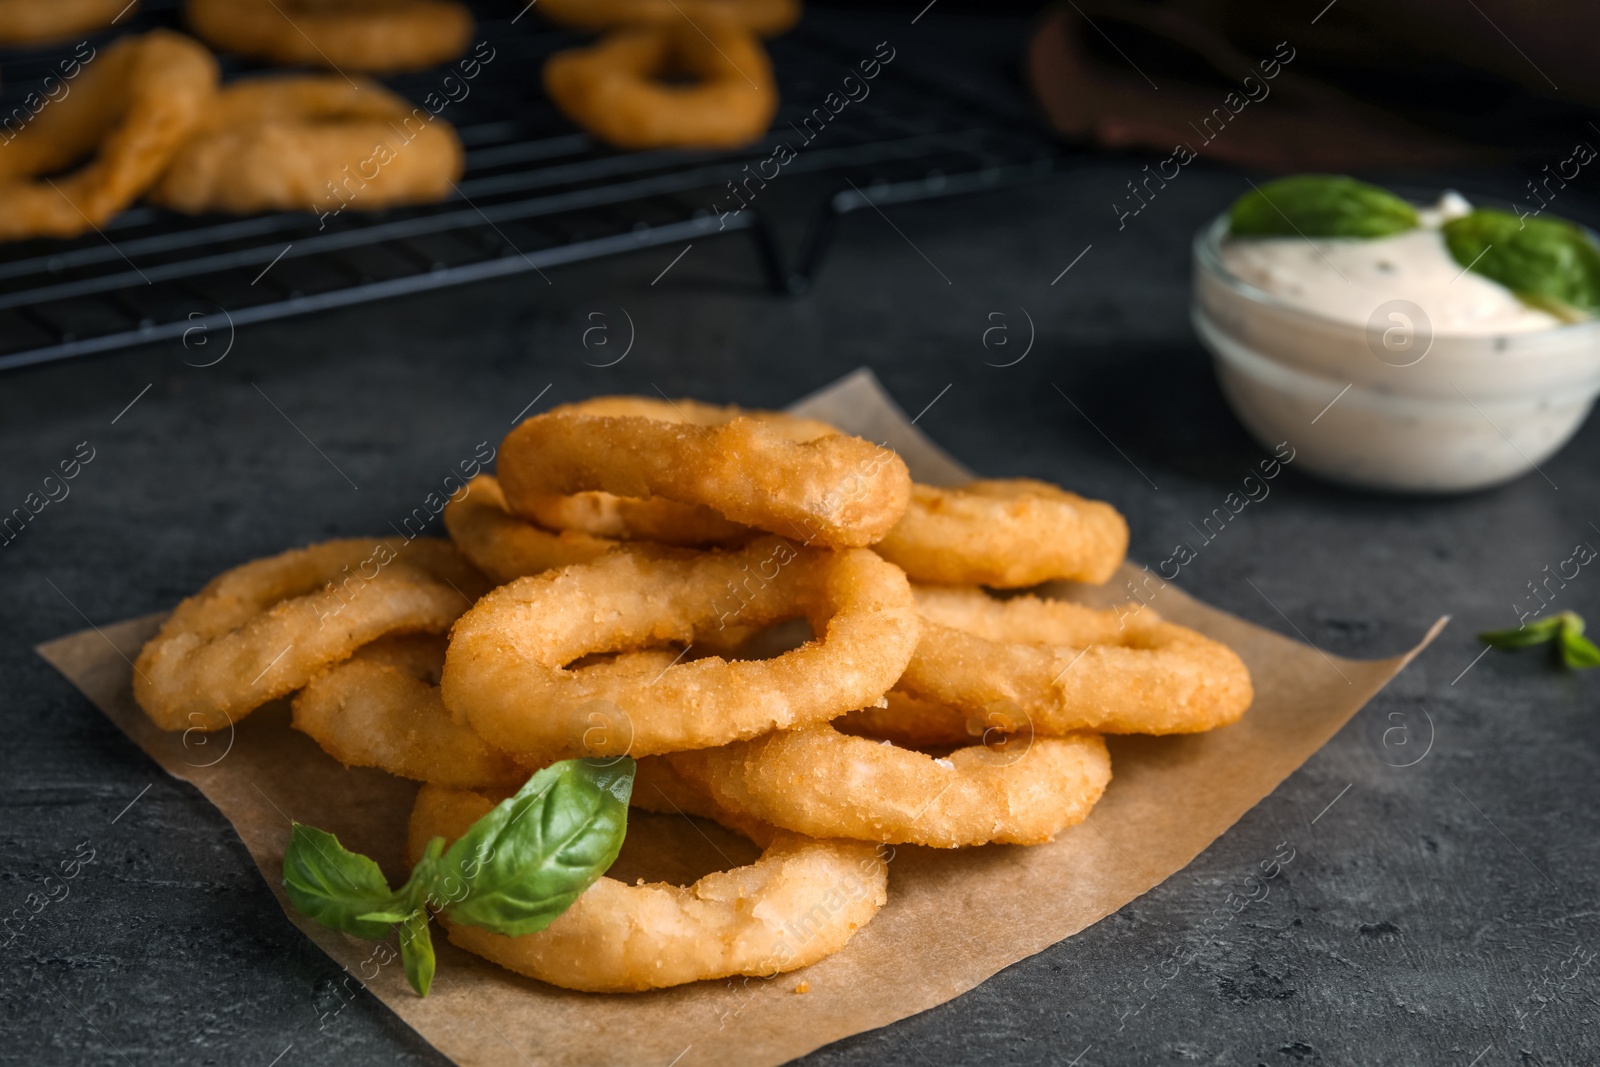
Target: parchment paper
953 918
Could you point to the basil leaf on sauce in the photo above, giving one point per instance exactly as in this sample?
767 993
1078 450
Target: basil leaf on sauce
1548 262
1320 205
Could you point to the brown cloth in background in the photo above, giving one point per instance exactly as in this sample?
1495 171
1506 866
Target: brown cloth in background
1306 75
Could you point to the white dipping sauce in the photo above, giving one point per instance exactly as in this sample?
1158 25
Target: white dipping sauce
1345 278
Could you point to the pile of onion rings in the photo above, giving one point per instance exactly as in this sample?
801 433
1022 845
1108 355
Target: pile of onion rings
727 597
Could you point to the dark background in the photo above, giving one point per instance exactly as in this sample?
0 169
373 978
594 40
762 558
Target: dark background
1440 913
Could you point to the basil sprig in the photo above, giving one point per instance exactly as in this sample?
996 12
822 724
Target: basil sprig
512 872
1565 630
1548 262
1320 205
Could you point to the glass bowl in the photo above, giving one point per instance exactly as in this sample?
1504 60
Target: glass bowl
1391 405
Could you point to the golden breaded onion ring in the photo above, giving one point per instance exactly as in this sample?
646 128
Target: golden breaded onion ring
657 519
828 489
1005 533
914 723
506 547
507 670
616 89
43 21
821 782
625 518
313 141
659 787
801 901
1066 667
381 708
265 628
765 18
366 36
129 109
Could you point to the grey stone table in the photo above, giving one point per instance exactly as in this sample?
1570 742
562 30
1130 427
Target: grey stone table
1436 913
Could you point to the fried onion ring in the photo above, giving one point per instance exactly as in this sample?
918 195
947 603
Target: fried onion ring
1067 667
626 518
366 36
824 488
264 629
913 723
505 547
801 901
381 708
288 143
658 787
130 108
821 782
1005 533
615 89
765 18
40 22
508 670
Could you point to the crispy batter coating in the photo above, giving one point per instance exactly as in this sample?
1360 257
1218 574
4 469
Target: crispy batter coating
1066 667
264 629
505 547
1007 534
381 708
821 782
828 489
510 669
801 901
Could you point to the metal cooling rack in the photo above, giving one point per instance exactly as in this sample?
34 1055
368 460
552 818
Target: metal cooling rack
537 193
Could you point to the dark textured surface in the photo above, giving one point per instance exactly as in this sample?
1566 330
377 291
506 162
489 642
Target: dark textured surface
1441 913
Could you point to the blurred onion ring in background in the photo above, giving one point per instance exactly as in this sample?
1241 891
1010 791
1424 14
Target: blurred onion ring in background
823 783
130 109
266 628
796 477
366 36
1007 534
801 901
43 21
624 89
507 670
765 18
318 141
1067 667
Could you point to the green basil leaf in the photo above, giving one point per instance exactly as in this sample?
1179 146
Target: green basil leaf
1548 262
421 887
336 887
1320 205
1524 636
526 861
1578 652
389 917
416 951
